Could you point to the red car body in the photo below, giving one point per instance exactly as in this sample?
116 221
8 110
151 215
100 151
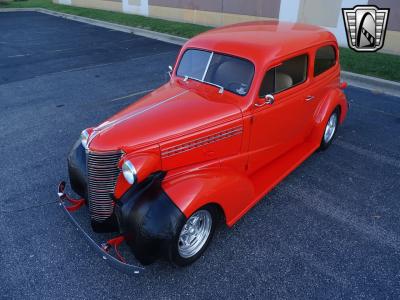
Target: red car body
219 147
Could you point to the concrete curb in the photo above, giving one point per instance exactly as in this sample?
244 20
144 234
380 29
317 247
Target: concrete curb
374 84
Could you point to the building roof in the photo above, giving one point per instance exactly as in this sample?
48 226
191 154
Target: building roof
261 41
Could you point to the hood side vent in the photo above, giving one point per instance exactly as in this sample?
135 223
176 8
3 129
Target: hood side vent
187 146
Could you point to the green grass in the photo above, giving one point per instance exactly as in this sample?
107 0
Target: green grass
381 65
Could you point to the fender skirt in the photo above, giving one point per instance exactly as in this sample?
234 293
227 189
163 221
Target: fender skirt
148 219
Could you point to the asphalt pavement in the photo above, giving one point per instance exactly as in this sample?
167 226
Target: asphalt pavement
329 230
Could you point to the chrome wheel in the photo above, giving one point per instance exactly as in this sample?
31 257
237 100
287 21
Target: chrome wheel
194 233
330 128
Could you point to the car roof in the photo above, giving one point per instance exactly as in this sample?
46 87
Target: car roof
261 41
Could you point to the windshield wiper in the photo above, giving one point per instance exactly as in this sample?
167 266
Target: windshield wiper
221 88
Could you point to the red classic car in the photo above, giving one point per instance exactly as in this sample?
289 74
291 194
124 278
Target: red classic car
245 105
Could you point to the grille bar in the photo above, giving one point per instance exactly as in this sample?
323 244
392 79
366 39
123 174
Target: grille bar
102 176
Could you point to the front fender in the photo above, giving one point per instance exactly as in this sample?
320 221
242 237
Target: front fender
145 164
231 190
148 219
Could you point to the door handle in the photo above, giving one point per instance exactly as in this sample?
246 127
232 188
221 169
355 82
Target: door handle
309 98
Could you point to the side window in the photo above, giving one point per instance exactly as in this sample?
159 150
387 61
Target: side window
290 73
324 59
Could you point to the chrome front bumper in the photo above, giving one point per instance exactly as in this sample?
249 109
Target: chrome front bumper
104 248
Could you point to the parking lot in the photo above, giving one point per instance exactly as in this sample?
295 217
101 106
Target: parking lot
329 230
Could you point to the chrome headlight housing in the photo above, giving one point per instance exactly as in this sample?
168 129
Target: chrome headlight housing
84 138
129 172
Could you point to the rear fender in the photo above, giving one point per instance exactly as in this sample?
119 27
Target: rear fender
231 190
334 98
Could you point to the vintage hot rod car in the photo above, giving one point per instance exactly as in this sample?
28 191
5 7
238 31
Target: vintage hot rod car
245 105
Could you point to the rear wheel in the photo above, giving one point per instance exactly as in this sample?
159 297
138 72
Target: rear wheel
194 236
330 130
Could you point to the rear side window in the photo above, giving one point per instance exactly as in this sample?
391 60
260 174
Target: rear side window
324 59
290 73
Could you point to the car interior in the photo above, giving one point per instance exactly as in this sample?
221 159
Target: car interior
290 73
233 74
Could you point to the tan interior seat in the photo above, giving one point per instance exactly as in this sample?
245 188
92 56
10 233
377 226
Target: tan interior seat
282 81
232 72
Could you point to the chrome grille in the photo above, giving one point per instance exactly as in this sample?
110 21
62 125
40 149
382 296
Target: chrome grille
102 171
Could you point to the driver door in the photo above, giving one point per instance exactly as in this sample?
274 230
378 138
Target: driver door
279 126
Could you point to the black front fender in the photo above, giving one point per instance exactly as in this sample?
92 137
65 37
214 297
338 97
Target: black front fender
77 169
149 219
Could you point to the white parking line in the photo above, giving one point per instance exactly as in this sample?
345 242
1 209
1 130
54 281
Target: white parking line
18 55
110 63
383 159
323 203
61 50
131 95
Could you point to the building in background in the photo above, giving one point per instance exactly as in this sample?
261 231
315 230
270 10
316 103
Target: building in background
326 13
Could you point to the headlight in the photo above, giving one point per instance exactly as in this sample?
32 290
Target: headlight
129 172
84 138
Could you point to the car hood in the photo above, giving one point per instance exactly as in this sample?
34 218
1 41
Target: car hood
168 112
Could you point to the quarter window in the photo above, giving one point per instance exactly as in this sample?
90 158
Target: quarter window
290 73
325 59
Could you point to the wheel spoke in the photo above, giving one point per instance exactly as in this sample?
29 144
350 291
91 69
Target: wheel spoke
330 128
191 239
194 233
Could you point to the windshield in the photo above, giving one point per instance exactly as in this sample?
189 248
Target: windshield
232 73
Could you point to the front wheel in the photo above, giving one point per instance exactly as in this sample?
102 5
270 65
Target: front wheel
194 236
330 130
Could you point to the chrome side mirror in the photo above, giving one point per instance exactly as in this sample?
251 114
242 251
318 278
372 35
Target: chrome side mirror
170 71
269 99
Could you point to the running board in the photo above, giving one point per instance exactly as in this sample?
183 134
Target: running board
272 174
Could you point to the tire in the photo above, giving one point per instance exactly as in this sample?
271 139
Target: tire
330 130
183 254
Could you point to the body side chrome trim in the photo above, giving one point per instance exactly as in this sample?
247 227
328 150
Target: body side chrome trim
187 146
